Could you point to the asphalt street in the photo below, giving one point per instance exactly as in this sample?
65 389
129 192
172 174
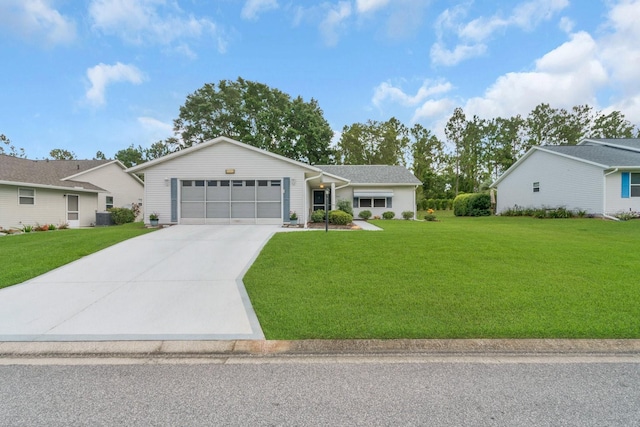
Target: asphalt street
324 391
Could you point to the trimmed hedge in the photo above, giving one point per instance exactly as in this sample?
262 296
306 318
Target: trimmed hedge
317 216
366 214
472 204
340 218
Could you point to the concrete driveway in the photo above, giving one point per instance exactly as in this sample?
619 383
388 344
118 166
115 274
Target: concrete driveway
182 282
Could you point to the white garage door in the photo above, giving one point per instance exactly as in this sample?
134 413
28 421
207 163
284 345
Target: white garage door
225 201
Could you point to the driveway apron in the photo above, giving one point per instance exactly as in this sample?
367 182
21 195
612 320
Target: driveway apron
181 282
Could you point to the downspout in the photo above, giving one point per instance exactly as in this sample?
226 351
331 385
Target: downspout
306 197
604 201
415 207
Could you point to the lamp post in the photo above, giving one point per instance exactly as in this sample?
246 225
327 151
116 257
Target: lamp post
326 210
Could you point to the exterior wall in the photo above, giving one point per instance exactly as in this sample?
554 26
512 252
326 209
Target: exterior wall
50 207
124 188
211 163
563 182
403 199
615 203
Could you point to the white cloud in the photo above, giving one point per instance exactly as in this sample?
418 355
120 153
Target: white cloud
103 75
472 35
569 75
253 8
151 21
386 91
334 22
434 109
37 20
566 24
364 6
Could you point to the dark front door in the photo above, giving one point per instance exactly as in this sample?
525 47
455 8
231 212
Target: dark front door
319 200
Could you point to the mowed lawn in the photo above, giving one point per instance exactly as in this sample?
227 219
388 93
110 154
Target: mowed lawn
489 277
28 255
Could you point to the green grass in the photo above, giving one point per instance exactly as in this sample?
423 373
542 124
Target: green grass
486 277
28 255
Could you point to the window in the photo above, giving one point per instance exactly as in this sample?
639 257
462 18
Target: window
212 183
26 196
371 202
199 183
187 183
224 183
109 202
237 183
635 184
536 187
250 183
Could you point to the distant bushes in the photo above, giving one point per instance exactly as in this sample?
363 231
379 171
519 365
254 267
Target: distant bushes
121 216
435 204
472 204
545 212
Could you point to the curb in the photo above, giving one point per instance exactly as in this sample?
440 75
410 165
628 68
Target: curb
264 348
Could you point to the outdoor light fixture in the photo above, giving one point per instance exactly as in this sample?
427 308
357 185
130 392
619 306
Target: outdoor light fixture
229 171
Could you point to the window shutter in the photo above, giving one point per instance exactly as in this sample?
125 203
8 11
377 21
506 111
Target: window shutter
286 199
389 202
355 202
174 199
625 185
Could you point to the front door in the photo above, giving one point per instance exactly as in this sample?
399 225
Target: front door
73 210
319 200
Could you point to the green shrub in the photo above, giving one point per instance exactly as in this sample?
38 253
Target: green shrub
121 215
365 214
430 217
626 215
51 227
317 216
27 228
388 215
472 204
344 205
338 217
431 204
407 215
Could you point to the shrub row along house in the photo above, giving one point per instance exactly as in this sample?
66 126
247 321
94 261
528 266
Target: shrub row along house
63 191
224 181
598 176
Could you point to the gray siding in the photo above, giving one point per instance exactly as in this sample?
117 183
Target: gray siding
563 182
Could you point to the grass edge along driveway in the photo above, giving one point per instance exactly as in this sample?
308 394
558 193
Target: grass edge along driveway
487 277
29 255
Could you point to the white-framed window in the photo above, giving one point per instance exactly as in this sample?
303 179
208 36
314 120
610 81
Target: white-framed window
536 187
635 184
109 202
372 202
27 196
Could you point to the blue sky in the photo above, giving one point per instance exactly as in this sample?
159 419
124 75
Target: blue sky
89 75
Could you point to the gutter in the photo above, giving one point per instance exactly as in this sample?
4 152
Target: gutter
604 197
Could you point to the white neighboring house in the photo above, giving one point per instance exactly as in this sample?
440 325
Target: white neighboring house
63 191
599 176
224 181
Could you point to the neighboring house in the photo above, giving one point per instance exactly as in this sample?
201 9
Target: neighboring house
223 181
63 191
599 176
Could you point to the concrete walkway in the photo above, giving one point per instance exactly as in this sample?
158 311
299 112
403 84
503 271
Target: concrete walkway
179 283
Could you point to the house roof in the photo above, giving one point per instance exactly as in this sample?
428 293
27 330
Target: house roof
624 143
47 173
372 174
603 153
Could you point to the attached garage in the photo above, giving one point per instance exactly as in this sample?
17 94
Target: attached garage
223 201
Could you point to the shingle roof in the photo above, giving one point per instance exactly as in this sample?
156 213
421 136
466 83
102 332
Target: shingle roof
600 154
372 174
632 143
47 172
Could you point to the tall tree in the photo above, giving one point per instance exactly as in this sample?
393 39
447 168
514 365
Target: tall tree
374 143
258 115
455 132
130 156
62 154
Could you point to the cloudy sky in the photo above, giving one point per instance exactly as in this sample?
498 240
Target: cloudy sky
89 75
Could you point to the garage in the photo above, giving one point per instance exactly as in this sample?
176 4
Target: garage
225 201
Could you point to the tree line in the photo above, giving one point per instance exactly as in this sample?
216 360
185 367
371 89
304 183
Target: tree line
473 152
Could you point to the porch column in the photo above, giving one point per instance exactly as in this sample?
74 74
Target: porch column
333 196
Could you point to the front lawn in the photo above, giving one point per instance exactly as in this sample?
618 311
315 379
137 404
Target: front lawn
31 254
486 277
